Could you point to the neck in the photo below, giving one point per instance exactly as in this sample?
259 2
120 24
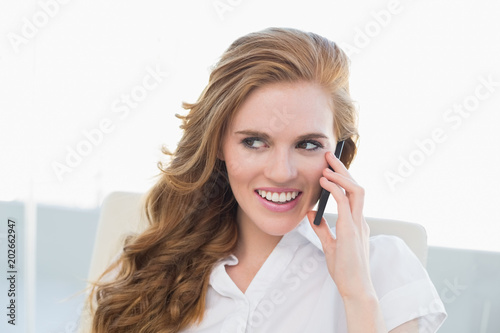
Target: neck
252 250
253 245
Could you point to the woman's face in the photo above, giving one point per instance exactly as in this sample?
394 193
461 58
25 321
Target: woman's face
274 151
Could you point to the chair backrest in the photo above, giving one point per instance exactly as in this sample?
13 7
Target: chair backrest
121 214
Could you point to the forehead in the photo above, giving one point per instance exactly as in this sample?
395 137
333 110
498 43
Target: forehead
280 108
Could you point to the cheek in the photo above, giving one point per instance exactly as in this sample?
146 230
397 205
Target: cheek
240 172
316 187
314 166
314 171
234 168
239 165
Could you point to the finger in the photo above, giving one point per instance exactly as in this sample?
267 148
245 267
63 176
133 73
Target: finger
354 192
340 169
323 232
343 205
337 165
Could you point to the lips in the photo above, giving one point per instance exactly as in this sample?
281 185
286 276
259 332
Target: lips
278 200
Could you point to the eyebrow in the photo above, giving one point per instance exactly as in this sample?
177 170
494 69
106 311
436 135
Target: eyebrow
266 136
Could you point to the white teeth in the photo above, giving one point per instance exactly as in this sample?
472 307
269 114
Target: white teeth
280 197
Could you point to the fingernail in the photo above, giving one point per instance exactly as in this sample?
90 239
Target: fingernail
332 155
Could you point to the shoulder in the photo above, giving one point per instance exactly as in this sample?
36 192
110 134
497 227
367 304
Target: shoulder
387 241
390 248
393 264
404 288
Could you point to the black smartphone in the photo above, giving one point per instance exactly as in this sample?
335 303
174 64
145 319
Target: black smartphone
323 199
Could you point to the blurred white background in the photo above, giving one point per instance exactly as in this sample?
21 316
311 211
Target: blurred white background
66 66
89 89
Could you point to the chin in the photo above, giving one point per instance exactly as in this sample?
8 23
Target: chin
281 227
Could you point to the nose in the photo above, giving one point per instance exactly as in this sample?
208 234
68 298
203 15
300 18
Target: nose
280 166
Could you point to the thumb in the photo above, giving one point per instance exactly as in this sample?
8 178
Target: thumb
322 231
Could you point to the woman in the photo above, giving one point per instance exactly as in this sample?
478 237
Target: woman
231 246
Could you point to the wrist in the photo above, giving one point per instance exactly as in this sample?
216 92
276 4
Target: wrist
364 314
368 297
360 290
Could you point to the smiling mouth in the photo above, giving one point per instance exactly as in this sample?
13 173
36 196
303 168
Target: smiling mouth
278 197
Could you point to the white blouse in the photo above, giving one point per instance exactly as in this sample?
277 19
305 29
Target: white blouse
293 291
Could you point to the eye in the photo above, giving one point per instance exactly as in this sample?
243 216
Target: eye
309 145
253 143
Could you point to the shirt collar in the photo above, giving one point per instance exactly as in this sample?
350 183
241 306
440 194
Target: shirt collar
302 234
304 229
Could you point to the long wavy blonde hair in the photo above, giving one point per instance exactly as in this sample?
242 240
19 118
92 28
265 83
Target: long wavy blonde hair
159 282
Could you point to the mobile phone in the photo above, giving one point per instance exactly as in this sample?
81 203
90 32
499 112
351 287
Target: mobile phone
323 199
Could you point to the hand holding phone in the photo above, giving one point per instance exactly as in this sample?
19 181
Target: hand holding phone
323 199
